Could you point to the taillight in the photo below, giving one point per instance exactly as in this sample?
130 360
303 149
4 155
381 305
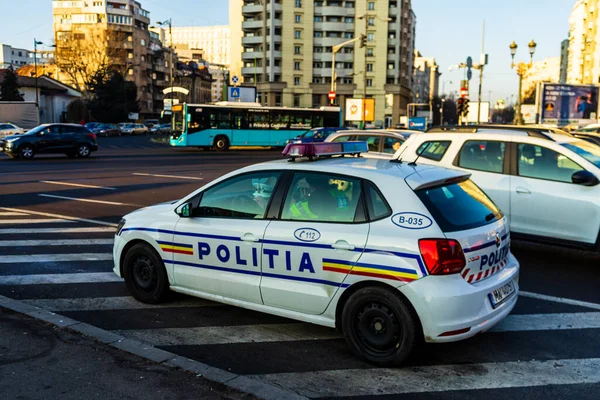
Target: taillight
92 136
442 256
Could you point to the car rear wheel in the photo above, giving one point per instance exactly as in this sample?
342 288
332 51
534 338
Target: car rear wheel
379 326
221 143
83 150
145 275
26 152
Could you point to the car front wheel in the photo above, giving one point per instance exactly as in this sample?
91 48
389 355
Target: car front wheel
145 275
379 326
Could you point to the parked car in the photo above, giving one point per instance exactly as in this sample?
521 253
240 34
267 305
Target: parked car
315 135
107 130
70 139
8 129
547 184
161 128
150 123
592 128
92 125
382 143
134 129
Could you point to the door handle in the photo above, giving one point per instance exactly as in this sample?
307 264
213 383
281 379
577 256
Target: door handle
248 237
342 245
521 190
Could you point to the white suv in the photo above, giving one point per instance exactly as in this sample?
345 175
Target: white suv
547 184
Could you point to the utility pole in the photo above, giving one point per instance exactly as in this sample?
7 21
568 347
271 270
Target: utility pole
482 63
169 23
37 99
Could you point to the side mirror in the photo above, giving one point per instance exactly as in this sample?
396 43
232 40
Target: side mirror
584 178
184 210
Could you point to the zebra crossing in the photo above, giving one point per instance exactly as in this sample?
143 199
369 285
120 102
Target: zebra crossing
65 266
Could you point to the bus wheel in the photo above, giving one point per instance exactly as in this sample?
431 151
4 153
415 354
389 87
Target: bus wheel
221 143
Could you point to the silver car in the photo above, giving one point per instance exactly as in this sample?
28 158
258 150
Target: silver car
382 143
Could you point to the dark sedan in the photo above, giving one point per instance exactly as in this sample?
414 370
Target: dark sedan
107 130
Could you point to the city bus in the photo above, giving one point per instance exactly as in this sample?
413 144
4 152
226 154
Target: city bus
226 124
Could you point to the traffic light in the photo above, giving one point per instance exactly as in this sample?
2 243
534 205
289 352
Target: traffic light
466 107
460 106
363 40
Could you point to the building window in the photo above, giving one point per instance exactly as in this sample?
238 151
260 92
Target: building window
143 58
371 6
369 67
278 99
298 34
143 42
130 71
348 35
297 66
318 34
297 49
130 55
297 81
318 19
370 37
298 18
370 52
296 100
298 3
369 82
371 21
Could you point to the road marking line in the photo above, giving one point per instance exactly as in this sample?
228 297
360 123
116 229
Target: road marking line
91 221
436 378
56 230
548 322
33 221
78 185
112 203
572 302
11 214
64 242
111 303
168 176
212 335
44 279
40 258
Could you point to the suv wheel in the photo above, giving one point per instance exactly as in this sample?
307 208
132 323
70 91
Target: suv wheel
26 152
83 150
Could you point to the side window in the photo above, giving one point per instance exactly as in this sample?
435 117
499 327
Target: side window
322 197
376 204
372 142
343 138
542 163
258 120
392 144
245 197
280 119
433 150
4 126
482 155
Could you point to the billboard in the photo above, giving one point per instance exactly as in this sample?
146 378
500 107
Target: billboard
484 117
568 104
417 123
354 109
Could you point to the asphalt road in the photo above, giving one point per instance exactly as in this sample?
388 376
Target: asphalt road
548 347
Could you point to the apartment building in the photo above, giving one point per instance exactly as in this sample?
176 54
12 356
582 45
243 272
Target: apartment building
426 78
213 42
99 33
564 60
284 48
547 70
16 58
584 43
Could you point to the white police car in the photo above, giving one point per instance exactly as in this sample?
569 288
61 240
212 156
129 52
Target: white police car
390 253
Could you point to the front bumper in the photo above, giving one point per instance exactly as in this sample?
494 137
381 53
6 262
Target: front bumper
118 246
450 304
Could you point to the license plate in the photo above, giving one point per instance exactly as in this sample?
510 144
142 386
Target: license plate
501 294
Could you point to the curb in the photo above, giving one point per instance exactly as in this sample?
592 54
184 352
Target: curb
239 382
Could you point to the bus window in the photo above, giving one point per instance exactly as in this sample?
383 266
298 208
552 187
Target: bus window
280 119
220 118
239 119
178 121
301 120
198 120
332 118
258 119
317 120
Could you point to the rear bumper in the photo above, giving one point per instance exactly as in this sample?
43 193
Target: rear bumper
449 304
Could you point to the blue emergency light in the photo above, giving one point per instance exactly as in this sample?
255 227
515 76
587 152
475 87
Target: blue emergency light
324 149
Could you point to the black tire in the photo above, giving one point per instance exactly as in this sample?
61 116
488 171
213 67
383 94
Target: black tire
379 326
145 275
221 143
26 152
83 150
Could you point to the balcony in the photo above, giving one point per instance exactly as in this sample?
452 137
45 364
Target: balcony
275 39
251 40
334 11
252 55
334 26
252 70
327 41
248 25
393 42
276 22
339 57
252 9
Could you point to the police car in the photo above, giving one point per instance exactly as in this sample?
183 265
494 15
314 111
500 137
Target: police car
390 253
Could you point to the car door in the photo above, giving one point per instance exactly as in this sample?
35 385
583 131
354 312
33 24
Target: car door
320 236
544 200
48 139
218 249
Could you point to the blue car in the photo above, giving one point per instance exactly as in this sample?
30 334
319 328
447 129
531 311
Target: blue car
316 135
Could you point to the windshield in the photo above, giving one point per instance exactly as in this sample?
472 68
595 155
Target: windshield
308 134
587 150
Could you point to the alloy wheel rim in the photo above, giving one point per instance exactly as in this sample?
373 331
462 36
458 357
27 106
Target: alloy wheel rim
84 151
27 152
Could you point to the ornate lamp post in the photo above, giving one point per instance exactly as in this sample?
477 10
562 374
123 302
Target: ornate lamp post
521 69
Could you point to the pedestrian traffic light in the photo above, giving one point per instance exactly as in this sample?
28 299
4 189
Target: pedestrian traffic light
363 40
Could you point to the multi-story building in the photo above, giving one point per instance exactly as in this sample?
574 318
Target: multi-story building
547 70
15 58
213 42
284 48
92 35
426 78
584 43
564 60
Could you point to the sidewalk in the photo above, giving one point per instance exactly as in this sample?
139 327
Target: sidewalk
40 361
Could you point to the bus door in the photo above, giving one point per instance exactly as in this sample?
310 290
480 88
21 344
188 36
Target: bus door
239 128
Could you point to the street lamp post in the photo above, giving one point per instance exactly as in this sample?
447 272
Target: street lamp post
521 69
37 99
442 113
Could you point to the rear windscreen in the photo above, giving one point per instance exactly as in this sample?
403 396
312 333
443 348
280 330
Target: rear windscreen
459 206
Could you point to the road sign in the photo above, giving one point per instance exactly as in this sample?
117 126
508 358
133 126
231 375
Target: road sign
464 92
234 93
469 74
235 80
469 62
331 96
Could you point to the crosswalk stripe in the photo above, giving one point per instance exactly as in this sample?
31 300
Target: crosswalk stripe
562 300
55 230
437 378
112 303
65 242
91 221
11 214
211 335
38 258
43 279
549 322
33 221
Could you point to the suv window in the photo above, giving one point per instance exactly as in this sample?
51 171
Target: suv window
392 144
372 142
245 196
459 206
343 138
482 155
322 197
376 204
433 150
53 130
543 163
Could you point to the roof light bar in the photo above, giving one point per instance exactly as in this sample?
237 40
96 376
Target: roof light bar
315 150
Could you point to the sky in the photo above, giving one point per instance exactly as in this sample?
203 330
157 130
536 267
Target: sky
450 31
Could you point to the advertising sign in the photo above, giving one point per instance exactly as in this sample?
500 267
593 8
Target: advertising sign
354 109
417 123
484 116
568 104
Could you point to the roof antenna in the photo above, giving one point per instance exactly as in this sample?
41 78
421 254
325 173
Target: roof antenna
421 153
